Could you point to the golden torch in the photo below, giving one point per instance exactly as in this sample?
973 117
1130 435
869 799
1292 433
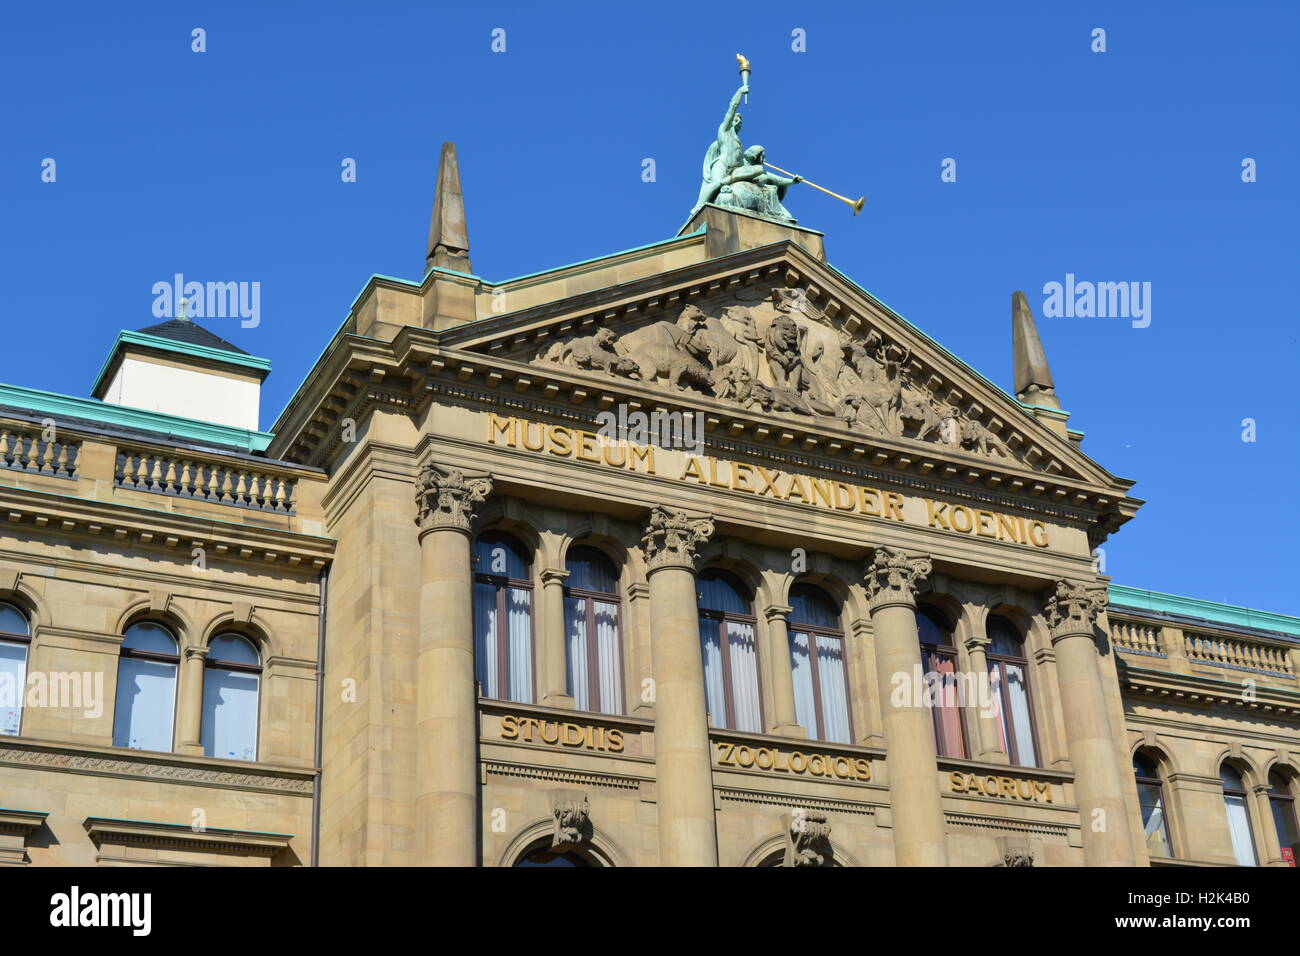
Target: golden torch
744 73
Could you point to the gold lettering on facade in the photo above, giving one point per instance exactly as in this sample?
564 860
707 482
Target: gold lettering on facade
823 493
774 760
1005 788
561 733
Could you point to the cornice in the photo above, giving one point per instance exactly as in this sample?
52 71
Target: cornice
183 836
129 525
1192 690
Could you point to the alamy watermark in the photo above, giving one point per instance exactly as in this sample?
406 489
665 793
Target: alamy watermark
209 300
668 430
1103 300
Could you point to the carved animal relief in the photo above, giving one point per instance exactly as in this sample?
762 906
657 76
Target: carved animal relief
775 351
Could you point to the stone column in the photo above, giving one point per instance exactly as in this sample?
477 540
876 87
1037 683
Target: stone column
1272 855
189 723
555 679
986 722
683 764
446 802
784 719
911 758
1098 784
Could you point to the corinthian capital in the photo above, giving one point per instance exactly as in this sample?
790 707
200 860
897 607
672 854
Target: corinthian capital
892 577
1072 609
672 537
445 497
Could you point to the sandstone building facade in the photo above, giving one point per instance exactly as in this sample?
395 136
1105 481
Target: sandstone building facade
694 554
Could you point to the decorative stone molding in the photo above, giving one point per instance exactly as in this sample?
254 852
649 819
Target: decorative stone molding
445 497
168 769
192 652
16 826
554 576
1018 851
808 839
108 832
973 642
672 538
1072 609
571 811
775 612
892 578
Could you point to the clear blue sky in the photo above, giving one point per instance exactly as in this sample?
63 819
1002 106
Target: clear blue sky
1115 166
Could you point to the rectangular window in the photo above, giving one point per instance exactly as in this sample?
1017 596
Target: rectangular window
595 665
1153 820
731 674
821 701
1243 845
229 714
13 686
146 704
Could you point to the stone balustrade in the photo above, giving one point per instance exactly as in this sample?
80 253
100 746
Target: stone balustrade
1238 654
1277 660
220 482
26 448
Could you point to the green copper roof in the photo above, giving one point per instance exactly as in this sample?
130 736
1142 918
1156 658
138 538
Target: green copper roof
1208 610
119 416
124 338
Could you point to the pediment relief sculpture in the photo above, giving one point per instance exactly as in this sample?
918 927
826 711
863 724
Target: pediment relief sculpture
775 351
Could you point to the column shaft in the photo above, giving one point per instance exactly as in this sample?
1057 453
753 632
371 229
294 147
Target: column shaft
189 725
555 682
785 719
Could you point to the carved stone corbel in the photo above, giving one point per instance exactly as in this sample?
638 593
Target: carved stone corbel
571 812
808 839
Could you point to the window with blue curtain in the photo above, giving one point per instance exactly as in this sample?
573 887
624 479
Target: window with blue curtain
232 677
729 648
1009 683
503 618
145 713
15 639
817 663
592 631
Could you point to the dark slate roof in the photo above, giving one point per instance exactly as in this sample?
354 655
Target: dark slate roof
185 330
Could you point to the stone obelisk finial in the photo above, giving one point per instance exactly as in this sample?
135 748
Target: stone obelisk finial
1034 385
448 235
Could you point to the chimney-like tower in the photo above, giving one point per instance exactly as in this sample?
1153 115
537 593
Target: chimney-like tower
1034 385
448 235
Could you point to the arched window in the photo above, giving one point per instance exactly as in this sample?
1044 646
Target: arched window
821 684
1281 800
1236 802
592 630
939 658
145 714
232 675
1151 800
541 854
730 656
1009 683
503 618
15 638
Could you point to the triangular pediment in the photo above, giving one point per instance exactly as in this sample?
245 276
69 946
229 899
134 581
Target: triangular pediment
774 334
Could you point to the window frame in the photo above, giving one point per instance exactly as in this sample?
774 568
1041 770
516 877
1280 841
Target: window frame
156 657
724 635
1282 800
25 640
1004 691
593 656
502 583
1244 794
939 619
1158 782
258 669
793 628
